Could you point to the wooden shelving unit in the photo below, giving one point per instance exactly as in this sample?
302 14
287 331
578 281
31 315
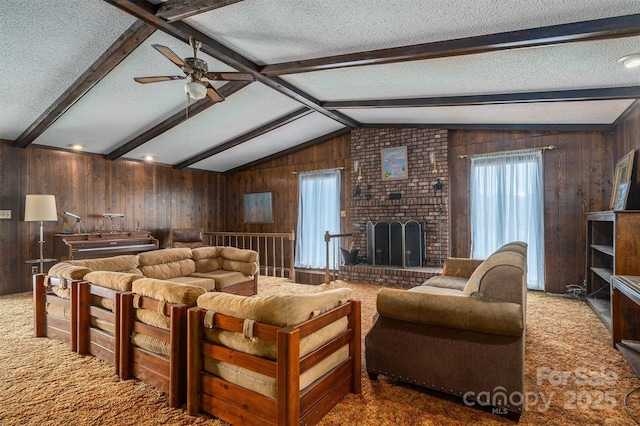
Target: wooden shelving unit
611 249
625 318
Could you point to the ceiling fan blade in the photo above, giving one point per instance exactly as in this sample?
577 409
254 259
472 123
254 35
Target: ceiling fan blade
229 76
145 80
170 55
214 94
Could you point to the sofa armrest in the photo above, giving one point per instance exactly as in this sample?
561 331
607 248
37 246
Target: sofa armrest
473 313
460 267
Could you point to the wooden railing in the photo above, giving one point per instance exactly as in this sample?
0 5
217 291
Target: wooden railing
332 248
276 250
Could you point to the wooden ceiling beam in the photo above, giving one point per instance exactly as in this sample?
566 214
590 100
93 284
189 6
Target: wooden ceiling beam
137 33
598 29
182 31
176 10
227 90
630 92
484 126
222 53
299 113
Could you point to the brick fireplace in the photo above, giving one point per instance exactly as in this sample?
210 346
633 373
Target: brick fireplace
421 197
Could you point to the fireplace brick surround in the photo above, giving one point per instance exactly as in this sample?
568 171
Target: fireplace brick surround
419 199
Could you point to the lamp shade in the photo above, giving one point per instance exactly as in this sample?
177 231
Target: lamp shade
40 208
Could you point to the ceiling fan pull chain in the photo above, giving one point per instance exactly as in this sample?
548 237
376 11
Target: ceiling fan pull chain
188 104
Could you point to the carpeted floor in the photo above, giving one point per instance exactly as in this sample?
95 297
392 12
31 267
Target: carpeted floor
573 376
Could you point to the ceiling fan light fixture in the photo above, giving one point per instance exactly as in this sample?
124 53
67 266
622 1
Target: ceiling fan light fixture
630 61
195 90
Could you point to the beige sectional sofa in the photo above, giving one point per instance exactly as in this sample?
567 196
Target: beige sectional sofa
462 333
226 269
263 359
79 301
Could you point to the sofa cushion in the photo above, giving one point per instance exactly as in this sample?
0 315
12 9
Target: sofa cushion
157 257
207 259
58 311
222 278
103 325
119 281
282 311
446 281
67 270
246 268
103 302
501 276
240 255
151 344
452 310
167 263
61 292
121 263
436 290
266 385
204 282
167 291
460 267
515 246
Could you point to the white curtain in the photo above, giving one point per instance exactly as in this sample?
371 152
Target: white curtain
507 205
318 212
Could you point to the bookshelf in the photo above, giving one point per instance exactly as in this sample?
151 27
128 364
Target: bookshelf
613 247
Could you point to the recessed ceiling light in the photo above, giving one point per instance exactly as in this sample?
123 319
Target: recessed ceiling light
149 158
630 61
76 147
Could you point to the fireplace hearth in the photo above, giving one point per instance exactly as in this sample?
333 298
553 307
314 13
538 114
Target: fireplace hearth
396 243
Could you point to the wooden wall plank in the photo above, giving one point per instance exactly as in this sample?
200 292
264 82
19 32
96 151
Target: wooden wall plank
565 180
277 176
89 185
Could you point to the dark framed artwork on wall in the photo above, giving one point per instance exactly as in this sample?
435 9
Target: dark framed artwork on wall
258 208
394 163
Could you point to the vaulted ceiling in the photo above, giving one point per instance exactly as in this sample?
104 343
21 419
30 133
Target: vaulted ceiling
319 68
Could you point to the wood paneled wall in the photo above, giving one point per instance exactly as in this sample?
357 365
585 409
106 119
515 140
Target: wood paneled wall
277 176
151 197
577 179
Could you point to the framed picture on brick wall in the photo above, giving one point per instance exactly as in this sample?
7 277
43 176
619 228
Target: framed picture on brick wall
394 163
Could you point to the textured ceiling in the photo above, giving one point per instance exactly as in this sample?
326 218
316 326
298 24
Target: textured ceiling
49 48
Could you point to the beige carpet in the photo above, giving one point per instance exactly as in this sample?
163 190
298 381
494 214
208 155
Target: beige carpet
573 376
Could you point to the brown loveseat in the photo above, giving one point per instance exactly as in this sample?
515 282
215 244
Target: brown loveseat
462 333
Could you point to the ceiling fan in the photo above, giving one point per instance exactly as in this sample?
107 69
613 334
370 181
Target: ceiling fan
199 79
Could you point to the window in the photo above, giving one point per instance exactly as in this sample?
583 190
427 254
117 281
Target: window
507 205
318 212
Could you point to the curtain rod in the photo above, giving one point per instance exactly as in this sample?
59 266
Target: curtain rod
319 171
513 151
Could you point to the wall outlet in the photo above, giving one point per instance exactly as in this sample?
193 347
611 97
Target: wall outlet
5 214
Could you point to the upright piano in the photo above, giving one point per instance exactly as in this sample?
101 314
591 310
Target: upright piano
103 244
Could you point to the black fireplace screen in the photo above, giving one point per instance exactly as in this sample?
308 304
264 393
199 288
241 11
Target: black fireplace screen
396 243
